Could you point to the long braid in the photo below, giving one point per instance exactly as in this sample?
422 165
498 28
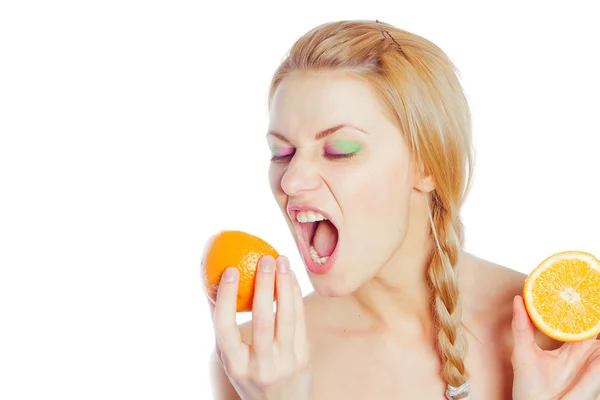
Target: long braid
447 232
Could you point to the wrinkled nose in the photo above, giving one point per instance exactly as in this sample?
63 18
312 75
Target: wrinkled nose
301 176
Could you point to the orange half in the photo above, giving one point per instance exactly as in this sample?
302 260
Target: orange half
562 296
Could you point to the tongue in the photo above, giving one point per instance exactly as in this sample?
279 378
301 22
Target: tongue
325 238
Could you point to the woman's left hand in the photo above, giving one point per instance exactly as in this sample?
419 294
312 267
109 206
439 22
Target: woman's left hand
571 372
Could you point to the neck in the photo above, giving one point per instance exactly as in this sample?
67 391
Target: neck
399 297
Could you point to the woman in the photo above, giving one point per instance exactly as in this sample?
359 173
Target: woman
371 139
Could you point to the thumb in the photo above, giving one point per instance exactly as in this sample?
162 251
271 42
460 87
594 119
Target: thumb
524 345
211 307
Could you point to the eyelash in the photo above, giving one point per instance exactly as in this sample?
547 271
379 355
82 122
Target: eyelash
329 156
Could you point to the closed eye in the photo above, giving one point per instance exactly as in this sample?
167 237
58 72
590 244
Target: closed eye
341 149
280 153
283 158
340 156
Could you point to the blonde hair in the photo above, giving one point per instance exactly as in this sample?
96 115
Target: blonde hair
420 86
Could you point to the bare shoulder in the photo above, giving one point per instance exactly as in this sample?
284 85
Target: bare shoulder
493 284
492 289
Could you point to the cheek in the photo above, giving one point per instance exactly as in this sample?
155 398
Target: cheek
391 193
382 205
381 191
378 204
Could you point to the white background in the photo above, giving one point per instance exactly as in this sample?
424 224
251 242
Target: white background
132 130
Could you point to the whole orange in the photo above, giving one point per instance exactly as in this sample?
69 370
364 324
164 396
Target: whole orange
233 249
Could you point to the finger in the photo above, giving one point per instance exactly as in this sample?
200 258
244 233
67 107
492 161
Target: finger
286 310
523 334
579 350
227 332
211 310
263 320
588 382
300 338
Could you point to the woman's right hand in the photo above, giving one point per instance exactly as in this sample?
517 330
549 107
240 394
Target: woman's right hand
275 366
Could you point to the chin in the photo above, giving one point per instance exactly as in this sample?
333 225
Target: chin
341 279
327 287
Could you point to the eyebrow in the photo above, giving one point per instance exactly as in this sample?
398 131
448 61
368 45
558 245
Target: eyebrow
321 134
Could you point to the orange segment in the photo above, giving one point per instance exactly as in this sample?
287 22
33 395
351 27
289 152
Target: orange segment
233 249
562 296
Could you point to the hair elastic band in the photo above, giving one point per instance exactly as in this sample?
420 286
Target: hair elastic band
465 388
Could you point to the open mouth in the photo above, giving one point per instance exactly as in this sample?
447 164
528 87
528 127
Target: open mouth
319 237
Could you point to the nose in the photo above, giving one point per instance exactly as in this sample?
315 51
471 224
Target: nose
301 176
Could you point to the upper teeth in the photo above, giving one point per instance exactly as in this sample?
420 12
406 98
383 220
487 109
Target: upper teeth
309 216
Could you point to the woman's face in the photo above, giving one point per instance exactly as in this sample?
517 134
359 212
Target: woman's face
359 175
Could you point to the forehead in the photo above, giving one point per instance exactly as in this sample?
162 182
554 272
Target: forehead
306 102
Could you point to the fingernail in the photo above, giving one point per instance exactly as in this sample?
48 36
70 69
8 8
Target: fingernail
282 266
266 264
230 274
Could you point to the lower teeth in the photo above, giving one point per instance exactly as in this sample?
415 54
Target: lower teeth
315 256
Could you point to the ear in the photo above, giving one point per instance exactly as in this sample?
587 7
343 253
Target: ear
424 182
